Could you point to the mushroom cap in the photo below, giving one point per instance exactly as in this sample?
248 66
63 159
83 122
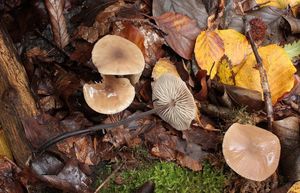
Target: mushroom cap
251 152
111 96
169 89
114 55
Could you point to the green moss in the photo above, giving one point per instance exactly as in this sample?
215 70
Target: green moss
170 178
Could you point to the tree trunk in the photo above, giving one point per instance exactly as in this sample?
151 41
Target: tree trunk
16 100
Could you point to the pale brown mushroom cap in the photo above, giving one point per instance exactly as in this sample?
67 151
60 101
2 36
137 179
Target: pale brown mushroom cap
114 55
251 152
111 96
168 89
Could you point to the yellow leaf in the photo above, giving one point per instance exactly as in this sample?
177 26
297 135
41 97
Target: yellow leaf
209 49
279 68
281 4
295 188
4 148
163 66
236 45
225 71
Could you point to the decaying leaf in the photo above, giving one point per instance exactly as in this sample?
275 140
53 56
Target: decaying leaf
293 49
280 71
89 34
163 66
225 71
236 45
209 49
182 32
195 9
58 23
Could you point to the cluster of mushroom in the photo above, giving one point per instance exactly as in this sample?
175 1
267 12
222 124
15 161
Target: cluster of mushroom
114 56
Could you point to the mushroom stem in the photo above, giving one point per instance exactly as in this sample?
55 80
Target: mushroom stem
95 128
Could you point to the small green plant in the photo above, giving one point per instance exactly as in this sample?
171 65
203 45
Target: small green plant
170 178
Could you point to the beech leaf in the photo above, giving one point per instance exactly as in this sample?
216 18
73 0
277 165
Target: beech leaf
280 72
58 23
182 32
209 49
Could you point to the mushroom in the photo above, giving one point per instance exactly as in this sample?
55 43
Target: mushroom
115 55
172 92
251 152
173 102
111 96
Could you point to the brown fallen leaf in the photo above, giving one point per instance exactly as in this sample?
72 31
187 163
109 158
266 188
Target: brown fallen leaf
182 32
58 22
89 34
8 177
132 33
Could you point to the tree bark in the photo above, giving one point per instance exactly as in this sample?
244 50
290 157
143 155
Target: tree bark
16 100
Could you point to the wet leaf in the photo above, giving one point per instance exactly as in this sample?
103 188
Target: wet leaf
280 71
236 45
163 66
194 9
209 49
58 22
182 32
71 178
293 49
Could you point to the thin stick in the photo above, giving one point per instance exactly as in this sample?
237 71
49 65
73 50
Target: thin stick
109 177
263 80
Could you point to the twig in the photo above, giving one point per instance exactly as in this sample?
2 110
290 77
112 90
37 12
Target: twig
109 177
263 80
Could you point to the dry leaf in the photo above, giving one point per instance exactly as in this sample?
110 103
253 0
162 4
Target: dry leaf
182 32
236 45
280 71
209 49
163 66
58 23
89 34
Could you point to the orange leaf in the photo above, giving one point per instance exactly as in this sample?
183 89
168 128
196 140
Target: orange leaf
182 32
209 49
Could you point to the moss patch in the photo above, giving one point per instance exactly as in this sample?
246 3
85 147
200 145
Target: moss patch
169 178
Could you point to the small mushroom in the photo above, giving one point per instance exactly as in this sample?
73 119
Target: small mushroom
251 152
171 92
115 55
111 96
